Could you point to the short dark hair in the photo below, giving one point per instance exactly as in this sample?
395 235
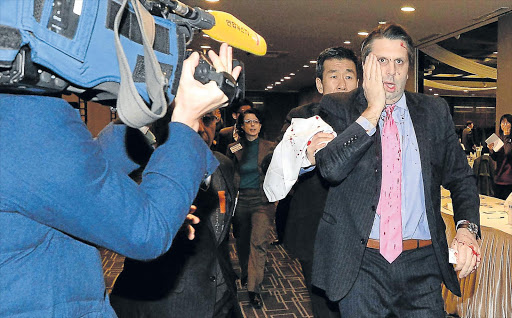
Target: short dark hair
469 122
240 120
339 53
240 103
390 31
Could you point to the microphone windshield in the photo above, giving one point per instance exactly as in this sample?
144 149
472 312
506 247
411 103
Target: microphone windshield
234 32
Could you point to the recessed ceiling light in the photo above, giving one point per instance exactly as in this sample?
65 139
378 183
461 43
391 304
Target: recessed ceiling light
312 62
269 87
363 33
407 9
282 79
346 42
287 77
495 52
278 83
382 22
292 74
305 66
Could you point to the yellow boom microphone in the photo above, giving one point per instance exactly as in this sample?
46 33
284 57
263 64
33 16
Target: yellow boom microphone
220 26
234 32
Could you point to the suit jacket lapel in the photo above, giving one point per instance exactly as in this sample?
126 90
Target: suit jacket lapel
419 116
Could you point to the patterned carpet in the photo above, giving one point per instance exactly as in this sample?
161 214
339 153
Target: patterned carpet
284 294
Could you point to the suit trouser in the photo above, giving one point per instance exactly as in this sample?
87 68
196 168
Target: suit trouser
321 305
408 287
252 224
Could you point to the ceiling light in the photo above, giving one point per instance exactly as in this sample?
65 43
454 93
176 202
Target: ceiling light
363 33
269 87
305 66
312 62
287 77
292 74
382 22
430 89
346 42
495 52
436 94
282 79
278 83
212 0
407 9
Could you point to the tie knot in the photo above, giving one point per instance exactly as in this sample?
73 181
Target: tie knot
389 110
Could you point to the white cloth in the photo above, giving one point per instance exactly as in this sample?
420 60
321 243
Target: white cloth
290 156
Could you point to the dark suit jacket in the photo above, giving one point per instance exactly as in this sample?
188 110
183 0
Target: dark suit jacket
352 164
183 281
308 200
236 155
224 139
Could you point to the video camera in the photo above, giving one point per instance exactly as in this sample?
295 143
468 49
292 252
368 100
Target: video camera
109 51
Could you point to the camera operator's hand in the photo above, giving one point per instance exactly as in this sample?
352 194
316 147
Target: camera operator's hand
194 99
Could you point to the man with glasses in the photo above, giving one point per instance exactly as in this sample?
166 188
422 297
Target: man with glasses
229 135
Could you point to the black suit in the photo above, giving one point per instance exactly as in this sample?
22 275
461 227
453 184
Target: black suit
306 209
184 281
352 164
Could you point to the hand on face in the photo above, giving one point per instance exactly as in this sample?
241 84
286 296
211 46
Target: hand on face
373 89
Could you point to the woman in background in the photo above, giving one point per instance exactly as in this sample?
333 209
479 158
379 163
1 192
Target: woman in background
503 158
254 215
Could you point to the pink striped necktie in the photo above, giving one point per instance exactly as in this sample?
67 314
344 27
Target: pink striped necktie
390 201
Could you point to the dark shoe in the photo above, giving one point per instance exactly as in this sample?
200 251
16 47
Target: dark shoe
243 281
276 242
255 300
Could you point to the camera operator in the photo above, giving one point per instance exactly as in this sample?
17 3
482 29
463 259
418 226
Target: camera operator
62 193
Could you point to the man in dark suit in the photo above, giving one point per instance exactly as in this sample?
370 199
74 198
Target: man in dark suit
468 138
358 259
336 71
195 277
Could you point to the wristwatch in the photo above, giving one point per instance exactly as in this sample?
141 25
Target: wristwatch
471 227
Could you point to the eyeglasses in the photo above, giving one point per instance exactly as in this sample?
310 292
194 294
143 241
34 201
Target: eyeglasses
251 121
209 119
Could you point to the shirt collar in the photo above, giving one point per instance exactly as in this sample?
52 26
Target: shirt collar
399 111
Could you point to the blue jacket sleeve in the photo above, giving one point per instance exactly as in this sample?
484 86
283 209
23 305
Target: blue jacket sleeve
56 174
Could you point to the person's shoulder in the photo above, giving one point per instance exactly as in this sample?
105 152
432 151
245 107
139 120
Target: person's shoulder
304 111
337 103
226 130
223 159
266 143
421 98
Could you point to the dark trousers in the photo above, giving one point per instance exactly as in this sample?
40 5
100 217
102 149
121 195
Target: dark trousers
281 216
408 287
321 305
